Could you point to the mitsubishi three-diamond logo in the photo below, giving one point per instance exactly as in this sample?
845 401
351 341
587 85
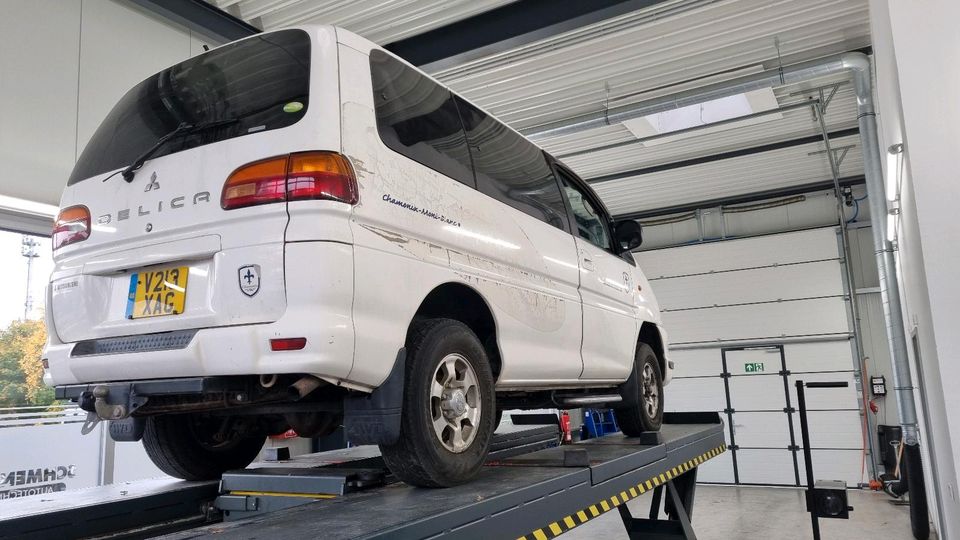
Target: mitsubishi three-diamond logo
153 183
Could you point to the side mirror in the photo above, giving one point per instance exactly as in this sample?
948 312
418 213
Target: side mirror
628 233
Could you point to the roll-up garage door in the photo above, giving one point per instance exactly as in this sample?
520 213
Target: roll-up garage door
746 319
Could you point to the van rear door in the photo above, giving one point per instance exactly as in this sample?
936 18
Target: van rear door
164 235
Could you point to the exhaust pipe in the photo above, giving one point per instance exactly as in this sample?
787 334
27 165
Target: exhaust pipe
304 386
268 381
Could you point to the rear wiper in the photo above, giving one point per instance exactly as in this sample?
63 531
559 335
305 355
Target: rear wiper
184 127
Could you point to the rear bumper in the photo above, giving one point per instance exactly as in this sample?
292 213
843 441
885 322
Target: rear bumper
319 282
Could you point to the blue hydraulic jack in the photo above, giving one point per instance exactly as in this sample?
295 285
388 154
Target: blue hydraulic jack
597 423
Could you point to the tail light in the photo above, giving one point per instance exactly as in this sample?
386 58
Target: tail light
72 225
302 176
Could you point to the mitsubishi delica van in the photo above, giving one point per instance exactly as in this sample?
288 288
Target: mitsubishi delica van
301 230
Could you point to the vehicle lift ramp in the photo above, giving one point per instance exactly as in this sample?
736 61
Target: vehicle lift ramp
534 495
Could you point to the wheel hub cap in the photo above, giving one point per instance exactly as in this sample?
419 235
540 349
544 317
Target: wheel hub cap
455 403
651 396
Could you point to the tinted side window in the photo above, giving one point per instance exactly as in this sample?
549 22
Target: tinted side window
590 221
418 118
511 169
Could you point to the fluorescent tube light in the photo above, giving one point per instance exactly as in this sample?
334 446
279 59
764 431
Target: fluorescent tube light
894 155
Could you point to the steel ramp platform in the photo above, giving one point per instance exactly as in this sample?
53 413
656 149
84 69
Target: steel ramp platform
537 495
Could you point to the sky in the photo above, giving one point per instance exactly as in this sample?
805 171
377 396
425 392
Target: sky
13 276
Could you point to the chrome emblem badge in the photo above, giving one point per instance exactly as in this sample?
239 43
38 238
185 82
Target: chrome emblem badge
153 183
249 276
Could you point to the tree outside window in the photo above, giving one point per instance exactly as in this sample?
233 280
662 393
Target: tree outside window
22 330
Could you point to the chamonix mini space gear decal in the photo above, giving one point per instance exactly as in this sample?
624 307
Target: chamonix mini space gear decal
249 276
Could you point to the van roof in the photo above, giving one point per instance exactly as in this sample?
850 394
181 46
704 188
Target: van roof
364 45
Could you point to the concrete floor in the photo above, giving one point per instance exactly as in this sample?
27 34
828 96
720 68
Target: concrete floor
728 512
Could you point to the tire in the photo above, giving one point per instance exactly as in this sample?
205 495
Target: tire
643 415
429 452
183 446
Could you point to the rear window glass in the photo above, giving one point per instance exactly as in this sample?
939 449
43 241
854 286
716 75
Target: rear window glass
262 83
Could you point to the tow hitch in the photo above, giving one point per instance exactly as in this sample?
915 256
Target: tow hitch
114 403
123 398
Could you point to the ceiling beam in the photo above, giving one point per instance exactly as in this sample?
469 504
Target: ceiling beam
201 17
25 222
725 155
504 28
743 199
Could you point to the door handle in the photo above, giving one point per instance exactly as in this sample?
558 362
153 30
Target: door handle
588 264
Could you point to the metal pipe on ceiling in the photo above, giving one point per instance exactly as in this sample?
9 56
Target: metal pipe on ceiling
742 199
753 207
786 201
781 76
859 66
668 220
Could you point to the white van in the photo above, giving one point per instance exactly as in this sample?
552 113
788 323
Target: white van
299 229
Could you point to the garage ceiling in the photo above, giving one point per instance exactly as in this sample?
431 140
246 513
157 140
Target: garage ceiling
658 50
665 49
378 21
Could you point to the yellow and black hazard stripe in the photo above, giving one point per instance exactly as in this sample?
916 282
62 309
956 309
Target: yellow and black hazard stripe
580 517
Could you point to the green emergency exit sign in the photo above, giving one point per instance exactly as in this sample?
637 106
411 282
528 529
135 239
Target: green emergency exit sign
753 367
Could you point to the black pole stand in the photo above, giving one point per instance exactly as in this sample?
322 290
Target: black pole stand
807 457
678 507
813 504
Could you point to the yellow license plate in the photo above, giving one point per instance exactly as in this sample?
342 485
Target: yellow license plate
157 293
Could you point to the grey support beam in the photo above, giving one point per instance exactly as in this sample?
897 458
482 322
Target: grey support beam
504 28
724 155
20 221
201 17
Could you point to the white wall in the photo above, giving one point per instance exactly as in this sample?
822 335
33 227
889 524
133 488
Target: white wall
917 52
784 287
63 65
817 210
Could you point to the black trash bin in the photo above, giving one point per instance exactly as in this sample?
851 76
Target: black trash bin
889 437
